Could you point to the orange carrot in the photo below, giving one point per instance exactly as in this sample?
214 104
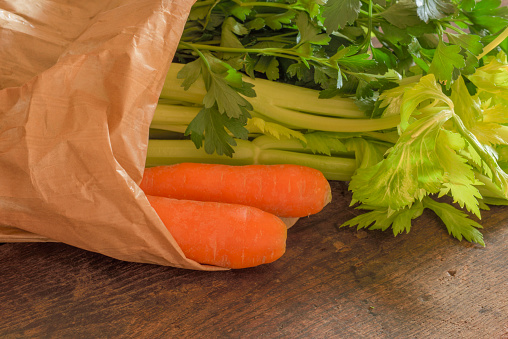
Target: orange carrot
225 235
288 191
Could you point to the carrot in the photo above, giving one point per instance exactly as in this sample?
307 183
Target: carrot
288 191
225 235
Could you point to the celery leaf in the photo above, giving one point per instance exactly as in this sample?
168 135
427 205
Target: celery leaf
492 81
460 179
457 222
276 130
466 107
382 219
366 153
324 142
491 133
426 89
410 171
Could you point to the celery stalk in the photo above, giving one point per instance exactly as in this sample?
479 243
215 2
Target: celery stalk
289 98
294 107
167 152
298 120
168 114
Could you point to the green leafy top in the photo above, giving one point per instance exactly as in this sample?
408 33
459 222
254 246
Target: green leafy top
340 47
438 66
444 147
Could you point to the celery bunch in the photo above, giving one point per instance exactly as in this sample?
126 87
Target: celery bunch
292 128
405 100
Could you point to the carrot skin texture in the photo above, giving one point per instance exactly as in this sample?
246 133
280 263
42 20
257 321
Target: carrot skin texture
219 234
288 191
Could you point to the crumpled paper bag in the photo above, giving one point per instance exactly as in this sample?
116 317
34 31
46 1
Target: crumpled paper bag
79 83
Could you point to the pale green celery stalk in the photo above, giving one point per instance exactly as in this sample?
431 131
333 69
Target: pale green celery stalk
294 145
297 120
170 128
489 189
265 142
176 118
304 100
390 137
173 90
170 115
155 133
500 178
167 152
494 43
333 168
274 94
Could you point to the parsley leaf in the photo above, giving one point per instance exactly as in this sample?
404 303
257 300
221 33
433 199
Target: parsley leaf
308 32
471 47
312 7
211 123
338 13
470 43
402 14
433 9
227 98
447 59
488 14
384 58
190 73
268 65
277 21
231 29
225 109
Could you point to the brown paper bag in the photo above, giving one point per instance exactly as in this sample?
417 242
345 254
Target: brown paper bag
79 82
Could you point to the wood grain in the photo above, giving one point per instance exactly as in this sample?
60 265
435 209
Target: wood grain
332 283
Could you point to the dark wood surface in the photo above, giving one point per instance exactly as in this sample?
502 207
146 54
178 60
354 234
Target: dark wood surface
331 283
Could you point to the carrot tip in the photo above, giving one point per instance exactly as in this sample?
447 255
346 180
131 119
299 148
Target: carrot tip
289 221
328 198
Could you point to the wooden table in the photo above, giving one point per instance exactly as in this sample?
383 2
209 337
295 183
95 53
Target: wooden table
332 283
